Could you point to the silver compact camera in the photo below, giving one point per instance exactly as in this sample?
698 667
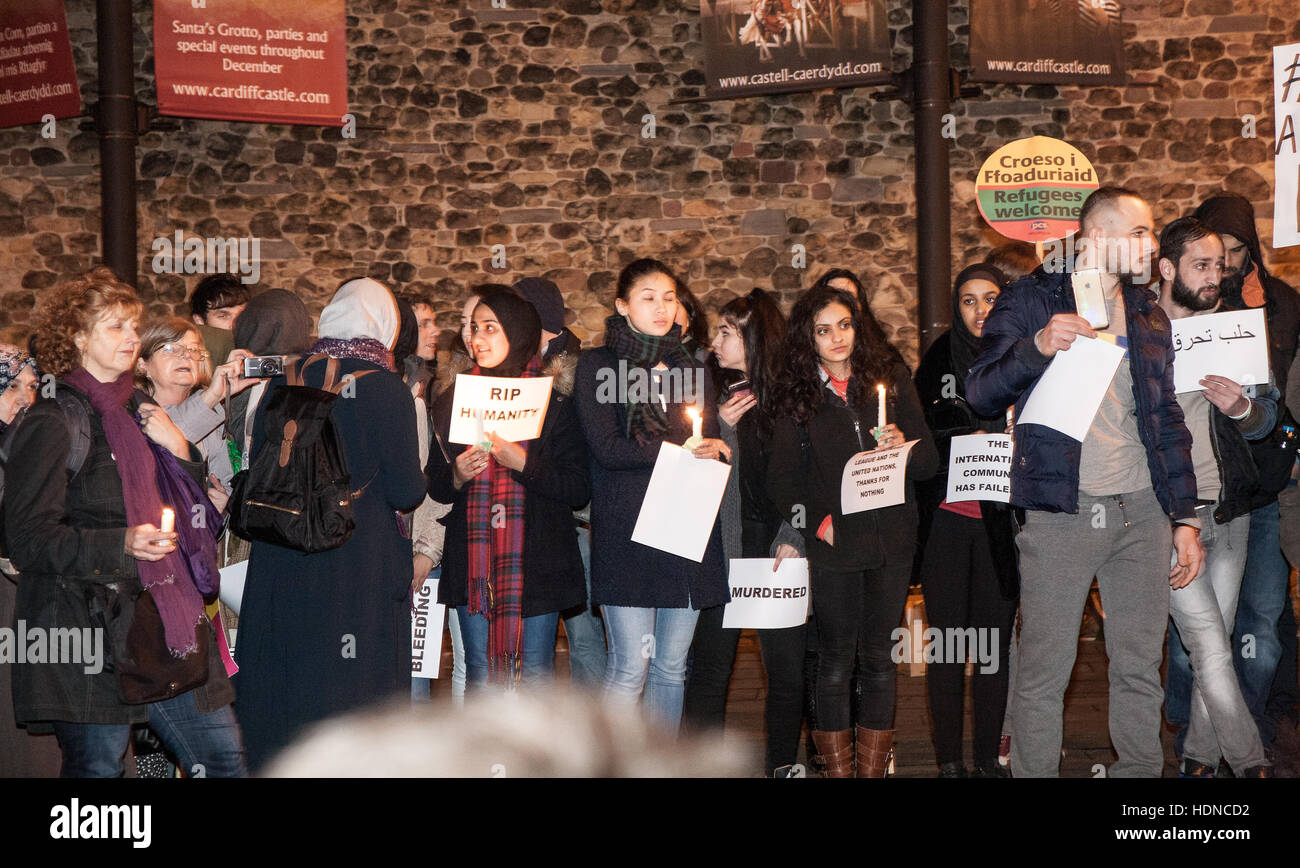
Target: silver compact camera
262 367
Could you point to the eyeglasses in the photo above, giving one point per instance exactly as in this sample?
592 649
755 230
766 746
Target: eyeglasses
196 353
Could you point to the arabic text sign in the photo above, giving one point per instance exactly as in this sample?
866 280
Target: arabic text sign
426 631
512 407
875 479
765 600
979 468
1068 394
1286 151
1233 344
37 74
270 61
681 503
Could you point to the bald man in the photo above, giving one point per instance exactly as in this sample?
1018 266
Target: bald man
1110 506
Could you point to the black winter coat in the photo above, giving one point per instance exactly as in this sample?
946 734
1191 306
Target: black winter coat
66 535
555 481
837 432
623 572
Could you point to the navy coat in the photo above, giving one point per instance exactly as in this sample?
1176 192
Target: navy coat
1045 463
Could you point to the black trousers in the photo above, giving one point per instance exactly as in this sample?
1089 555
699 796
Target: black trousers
961 591
713 654
856 614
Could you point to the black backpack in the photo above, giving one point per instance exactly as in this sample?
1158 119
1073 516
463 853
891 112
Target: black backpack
76 411
296 491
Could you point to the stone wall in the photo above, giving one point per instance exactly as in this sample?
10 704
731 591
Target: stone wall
523 127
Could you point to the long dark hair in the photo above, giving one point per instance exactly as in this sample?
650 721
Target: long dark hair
758 319
697 324
872 360
637 269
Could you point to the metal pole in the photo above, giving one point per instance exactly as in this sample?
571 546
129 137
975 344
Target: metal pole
931 91
116 124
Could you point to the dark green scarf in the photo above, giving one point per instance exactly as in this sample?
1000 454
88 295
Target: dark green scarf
645 351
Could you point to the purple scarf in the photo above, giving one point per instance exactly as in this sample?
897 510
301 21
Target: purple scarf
169 581
365 349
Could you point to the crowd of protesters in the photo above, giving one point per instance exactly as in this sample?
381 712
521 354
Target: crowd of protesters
106 418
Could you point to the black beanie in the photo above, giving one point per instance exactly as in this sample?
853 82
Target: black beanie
545 298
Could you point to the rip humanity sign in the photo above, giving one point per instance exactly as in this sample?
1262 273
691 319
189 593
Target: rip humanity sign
875 479
513 408
979 468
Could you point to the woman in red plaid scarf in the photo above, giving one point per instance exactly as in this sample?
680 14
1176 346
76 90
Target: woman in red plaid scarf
510 559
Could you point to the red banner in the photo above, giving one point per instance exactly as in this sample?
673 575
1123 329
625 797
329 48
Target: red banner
268 61
37 76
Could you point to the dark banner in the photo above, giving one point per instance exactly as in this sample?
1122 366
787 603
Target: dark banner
37 77
1047 41
275 61
778 46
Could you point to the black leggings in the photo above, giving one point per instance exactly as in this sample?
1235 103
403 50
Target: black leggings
962 591
856 615
713 653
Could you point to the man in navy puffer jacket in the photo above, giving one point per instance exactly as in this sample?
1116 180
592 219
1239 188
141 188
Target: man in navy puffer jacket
1110 506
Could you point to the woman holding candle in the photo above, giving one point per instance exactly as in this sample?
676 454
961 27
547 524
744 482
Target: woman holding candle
510 580
750 347
88 548
968 570
650 598
860 563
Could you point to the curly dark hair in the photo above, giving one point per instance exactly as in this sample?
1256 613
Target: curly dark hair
72 308
872 360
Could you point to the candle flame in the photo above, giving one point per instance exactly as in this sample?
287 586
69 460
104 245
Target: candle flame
693 413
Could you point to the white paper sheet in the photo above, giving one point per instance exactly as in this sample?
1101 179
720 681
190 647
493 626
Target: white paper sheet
681 503
426 631
875 479
1233 344
979 468
231 591
765 600
512 407
1068 394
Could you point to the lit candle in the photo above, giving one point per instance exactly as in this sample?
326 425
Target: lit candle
697 423
168 520
880 401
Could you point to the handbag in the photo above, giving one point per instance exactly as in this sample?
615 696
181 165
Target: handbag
146 669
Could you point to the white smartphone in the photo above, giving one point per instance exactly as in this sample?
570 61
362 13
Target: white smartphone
1089 299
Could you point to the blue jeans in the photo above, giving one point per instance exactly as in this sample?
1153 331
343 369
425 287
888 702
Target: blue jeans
1263 594
205 745
647 655
538 666
586 634
1219 722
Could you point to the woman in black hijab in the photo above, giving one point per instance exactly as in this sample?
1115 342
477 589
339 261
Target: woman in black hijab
968 567
510 558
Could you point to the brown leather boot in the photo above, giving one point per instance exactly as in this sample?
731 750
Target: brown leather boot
874 749
834 752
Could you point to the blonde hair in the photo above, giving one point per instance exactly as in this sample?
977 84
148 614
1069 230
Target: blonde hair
171 330
72 308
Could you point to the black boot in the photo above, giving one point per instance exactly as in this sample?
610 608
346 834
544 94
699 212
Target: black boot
952 770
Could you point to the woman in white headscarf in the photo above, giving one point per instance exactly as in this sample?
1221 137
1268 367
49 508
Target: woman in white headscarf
323 633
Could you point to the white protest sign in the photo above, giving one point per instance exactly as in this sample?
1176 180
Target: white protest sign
1286 151
681 503
765 600
979 468
1069 392
1233 344
512 407
426 631
231 591
875 479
